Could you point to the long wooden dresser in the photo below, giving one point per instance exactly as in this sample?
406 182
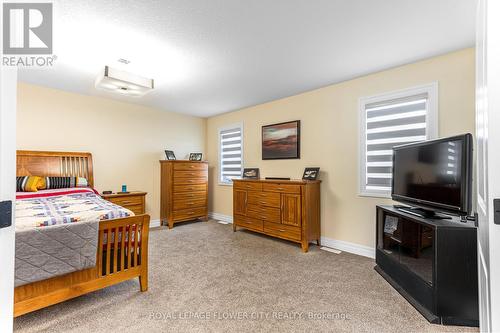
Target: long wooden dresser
184 191
284 209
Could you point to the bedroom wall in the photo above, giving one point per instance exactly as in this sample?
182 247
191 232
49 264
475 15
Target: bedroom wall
126 140
8 79
329 137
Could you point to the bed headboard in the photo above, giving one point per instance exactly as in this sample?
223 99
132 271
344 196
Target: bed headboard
55 163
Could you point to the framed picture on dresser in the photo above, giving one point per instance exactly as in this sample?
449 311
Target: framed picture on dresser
310 174
195 156
251 173
170 155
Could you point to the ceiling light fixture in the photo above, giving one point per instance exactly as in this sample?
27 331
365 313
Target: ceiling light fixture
124 61
123 82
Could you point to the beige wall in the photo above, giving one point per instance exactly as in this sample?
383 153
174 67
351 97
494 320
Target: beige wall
329 137
126 140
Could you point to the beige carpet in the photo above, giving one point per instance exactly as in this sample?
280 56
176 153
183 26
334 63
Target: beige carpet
205 278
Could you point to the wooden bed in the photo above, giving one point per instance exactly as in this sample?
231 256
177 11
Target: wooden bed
117 259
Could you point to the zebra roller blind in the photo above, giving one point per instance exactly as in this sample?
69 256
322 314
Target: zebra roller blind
230 154
389 124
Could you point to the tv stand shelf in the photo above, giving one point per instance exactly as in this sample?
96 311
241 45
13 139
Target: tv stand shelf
424 213
430 262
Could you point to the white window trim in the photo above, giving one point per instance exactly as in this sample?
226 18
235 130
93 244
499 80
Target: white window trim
220 130
430 89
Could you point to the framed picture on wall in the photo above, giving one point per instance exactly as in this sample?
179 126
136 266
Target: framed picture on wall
281 141
170 155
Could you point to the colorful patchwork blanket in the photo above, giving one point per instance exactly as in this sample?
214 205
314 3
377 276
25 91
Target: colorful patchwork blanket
57 231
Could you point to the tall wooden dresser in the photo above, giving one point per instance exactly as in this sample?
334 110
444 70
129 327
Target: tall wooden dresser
184 191
284 209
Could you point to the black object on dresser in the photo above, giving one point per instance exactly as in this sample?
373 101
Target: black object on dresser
430 262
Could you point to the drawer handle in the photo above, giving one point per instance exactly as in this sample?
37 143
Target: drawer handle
248 186
191 166
281 230
191 212
280 188
248 222
263 202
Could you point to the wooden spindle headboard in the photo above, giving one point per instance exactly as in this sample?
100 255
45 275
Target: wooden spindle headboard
55 163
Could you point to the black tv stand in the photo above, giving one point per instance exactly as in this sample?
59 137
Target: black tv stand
430 262
421 212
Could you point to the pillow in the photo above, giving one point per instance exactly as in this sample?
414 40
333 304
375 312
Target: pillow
81 182
65 182
42 183
28 183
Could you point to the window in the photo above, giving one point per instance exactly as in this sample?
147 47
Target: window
390 120
230 153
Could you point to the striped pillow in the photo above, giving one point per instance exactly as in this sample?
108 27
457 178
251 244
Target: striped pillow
28 183
65 182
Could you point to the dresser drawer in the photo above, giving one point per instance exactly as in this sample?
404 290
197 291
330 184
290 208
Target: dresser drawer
264 213
191 174
264 199
190 166
137 209
186 214
253 186
126 201
181 180
190 188
202 195
248 223
281 188
283 231
185 204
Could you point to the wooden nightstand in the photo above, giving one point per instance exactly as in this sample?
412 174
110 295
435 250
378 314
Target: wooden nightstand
135 200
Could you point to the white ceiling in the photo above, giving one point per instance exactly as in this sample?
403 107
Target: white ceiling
210 57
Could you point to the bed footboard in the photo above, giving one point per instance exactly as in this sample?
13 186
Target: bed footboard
122 254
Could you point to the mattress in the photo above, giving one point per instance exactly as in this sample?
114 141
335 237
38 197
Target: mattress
57 231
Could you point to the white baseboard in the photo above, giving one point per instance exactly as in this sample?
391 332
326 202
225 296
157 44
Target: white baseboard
361 250
154 223
220 217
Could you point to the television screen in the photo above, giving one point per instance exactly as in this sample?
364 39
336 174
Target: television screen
434 174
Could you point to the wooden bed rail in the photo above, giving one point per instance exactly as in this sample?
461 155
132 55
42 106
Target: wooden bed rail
122 258
122 246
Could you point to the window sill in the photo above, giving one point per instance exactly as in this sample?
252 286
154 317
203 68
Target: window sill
375 195
225 184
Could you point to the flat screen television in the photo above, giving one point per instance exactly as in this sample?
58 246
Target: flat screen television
434 175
